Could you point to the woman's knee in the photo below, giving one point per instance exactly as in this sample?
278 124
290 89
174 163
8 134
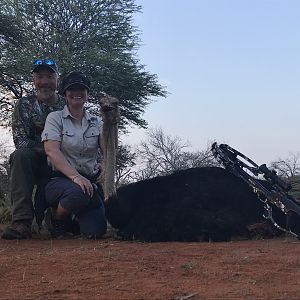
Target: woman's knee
68 194
74 199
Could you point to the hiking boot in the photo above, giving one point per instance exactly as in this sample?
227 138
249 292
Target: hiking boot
59 228
72 225
18 230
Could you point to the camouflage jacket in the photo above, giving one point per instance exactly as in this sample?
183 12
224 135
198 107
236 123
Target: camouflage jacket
28 120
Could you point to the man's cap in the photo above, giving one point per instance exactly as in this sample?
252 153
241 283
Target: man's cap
75 78
44 63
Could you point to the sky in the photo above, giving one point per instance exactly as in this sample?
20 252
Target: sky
232 72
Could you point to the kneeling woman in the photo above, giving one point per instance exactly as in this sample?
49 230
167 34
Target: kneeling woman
71 140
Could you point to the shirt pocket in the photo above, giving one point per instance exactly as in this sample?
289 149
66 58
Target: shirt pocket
92 138
68 139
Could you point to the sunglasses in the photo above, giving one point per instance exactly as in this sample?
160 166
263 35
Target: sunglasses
48 62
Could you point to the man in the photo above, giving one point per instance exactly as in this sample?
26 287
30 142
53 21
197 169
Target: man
28 163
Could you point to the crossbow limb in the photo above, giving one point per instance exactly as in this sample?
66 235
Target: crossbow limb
272 191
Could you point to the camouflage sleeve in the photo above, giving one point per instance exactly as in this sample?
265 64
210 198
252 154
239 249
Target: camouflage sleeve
53 127
21 128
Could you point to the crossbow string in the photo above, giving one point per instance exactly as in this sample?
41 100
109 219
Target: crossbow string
270 189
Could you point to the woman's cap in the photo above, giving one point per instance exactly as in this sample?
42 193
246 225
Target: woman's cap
75 78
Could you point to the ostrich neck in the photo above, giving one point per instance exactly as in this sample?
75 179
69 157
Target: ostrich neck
109 147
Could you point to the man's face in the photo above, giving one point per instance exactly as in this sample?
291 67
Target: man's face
45 82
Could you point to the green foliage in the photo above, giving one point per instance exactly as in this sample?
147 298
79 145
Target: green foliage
5 215
96 37
188 266
9 31
5 207
5 212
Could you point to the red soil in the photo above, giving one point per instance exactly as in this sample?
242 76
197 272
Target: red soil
42 268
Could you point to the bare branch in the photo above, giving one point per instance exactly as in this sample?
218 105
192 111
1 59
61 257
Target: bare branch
288 167
162 154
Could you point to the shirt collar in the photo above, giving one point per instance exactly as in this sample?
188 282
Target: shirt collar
66 113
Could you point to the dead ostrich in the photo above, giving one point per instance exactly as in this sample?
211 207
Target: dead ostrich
199 204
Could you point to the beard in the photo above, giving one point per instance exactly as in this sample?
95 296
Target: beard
45 93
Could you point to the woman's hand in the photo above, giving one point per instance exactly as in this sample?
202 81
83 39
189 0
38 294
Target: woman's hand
59 161
84 183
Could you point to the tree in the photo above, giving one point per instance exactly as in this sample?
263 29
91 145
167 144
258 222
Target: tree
97 37
4 169
288 167
162 154
124 164
9 31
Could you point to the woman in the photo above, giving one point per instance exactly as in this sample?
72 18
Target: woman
71 140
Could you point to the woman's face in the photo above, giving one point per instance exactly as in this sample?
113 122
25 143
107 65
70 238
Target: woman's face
76 96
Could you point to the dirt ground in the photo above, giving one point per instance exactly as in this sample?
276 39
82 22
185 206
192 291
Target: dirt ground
42 268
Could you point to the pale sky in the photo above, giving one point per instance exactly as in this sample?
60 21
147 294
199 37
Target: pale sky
232 68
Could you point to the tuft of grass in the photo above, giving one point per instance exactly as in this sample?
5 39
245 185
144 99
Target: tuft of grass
188 266
5 211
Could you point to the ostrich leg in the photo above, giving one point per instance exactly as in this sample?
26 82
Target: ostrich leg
109 141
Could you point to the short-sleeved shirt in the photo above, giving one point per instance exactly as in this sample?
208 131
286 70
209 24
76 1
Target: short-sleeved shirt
28 120
79 141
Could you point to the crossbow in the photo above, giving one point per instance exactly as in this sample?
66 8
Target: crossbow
269 187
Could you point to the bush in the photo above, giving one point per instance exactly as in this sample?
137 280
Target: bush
5 211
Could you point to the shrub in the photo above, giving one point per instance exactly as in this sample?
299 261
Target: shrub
5 211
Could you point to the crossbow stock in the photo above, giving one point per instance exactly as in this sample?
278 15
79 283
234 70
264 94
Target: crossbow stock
269 187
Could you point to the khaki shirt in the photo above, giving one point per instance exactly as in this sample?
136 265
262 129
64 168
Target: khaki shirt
79 142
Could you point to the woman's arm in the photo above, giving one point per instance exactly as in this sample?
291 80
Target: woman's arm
52 149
